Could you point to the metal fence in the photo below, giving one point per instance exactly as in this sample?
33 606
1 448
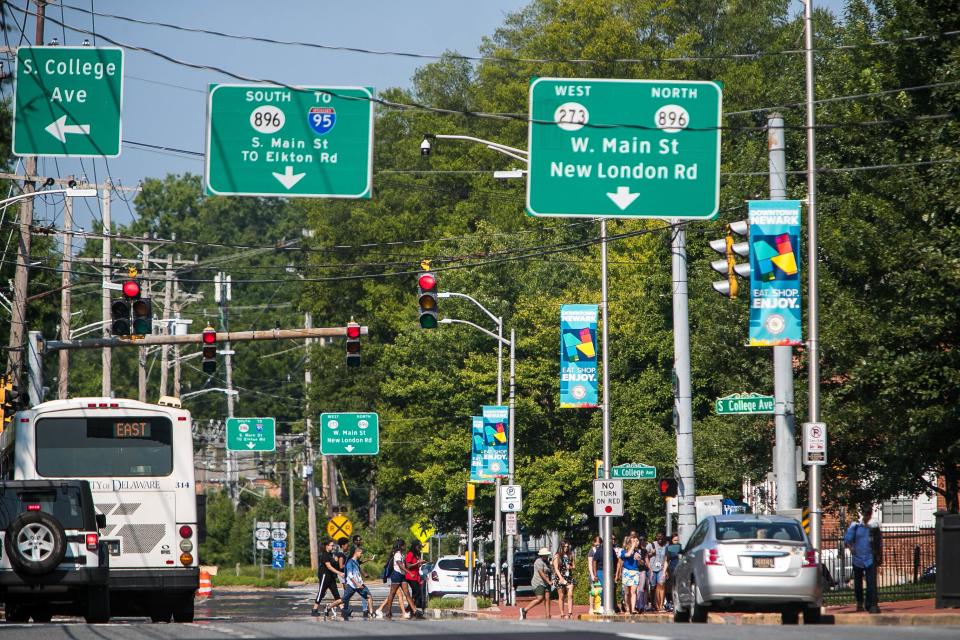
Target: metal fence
907 572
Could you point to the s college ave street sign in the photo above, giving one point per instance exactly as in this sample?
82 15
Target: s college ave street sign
68 101
265 140
624 148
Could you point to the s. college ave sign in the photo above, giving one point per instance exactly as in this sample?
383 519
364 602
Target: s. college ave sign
624 148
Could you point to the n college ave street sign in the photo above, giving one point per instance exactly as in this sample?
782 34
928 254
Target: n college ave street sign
624 148
314 142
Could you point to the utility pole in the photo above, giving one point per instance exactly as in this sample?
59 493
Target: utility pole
18 320
785 462
813 312
293 513
176 347
63 374
222 295
606 530
165 328
311 485
142 351
105 358
683 403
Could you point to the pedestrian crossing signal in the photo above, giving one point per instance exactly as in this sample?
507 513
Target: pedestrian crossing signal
667 487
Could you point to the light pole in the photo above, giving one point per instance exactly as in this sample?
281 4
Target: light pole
501 341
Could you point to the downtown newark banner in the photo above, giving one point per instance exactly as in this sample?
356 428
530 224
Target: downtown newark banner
578 356
775 273
493 442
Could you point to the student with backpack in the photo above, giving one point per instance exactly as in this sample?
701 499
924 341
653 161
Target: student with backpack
397 566
863 540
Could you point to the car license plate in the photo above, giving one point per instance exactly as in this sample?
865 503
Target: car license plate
763 563
458 578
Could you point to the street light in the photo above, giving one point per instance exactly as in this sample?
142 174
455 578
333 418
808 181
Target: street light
229 392
426 146
71 192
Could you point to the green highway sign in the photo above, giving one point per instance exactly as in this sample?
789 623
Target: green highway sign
314 142
68 101
251 434
349 434
744 403
630 471
624 148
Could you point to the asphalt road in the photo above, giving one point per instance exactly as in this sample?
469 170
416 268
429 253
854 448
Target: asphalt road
286 614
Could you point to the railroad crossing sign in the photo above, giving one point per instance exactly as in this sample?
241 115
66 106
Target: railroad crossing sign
68 101
422 532
339 527
251 434
349 434
744 403
624 148
265 140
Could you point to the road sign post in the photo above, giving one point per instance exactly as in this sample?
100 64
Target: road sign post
744 404
68 101
349 434
265 140
624 148
251 434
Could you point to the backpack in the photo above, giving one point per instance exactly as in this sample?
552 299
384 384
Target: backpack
387 569
876 546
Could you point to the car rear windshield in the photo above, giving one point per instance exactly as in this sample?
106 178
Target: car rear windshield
64 504
751 530
104 447
451 564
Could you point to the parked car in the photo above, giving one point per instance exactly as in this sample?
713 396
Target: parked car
929 574
448 577
840 572
53 561
523 568
748 563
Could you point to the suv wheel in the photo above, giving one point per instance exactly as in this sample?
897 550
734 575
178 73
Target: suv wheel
35 543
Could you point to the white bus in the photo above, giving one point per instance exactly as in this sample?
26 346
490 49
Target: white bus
138 458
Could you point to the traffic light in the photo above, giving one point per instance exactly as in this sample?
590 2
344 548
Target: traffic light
353 344
142 317
729 266
667 487
427 298
471 493
209 336
9 395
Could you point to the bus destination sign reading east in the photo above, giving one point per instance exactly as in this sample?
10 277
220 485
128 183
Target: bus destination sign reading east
624 148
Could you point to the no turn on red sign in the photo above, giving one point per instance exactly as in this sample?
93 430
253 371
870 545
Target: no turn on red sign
607 498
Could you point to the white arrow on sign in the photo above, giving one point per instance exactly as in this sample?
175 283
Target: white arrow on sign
59 129
288 178
349 448
250 445
622 198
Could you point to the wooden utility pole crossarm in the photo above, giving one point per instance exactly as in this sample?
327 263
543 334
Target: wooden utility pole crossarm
197 338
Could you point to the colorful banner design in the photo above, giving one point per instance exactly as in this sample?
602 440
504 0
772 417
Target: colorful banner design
496 442
775 273
477 448
578 356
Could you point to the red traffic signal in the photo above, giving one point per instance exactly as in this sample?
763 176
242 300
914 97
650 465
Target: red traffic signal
209 350
667 487
353 344
427 299
130 289
209 335
427 282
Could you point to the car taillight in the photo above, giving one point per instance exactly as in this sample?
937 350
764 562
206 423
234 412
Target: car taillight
92 540
434 576
185 531
711 558
810 559
33 507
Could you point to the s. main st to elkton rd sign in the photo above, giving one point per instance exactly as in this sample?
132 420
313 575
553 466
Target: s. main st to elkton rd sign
624 148
68 101
313 142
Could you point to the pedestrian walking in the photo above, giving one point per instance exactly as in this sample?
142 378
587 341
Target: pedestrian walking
656 559
630 557
414 561
563 566
541 583
673 559
863 540
595 590
354 584
328 574
397 582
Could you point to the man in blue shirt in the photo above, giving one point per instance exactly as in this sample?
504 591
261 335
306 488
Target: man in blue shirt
860 540
353 584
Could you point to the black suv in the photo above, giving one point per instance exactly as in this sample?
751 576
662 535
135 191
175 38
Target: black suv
523 568
51 557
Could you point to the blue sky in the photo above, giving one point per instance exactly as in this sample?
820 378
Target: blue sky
165 103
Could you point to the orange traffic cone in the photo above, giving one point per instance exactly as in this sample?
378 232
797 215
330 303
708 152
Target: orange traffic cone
206 585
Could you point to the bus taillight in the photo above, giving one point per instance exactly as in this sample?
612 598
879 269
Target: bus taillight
186 559
186 531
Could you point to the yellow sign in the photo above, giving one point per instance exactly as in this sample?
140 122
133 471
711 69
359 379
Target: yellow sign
422 532
339 527
426 548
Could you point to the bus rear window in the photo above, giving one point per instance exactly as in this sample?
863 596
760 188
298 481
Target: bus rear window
104 447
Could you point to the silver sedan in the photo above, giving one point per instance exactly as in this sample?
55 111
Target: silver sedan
748 563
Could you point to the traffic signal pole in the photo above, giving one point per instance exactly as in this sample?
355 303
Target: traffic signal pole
106 355
606 530
686 495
